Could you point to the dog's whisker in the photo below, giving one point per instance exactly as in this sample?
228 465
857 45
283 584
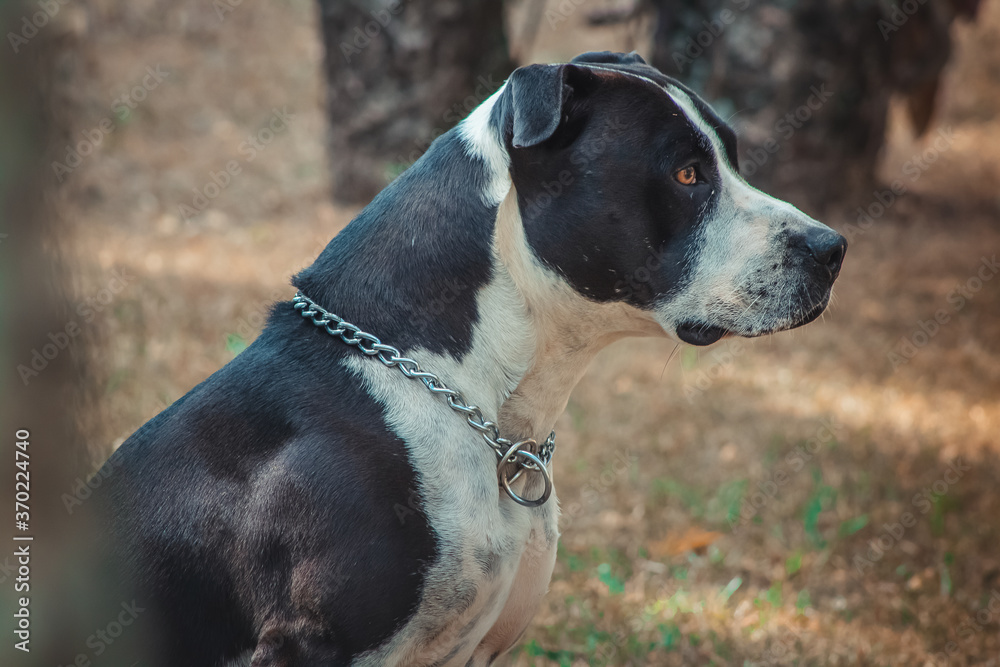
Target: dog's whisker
736 113
749 306
677 346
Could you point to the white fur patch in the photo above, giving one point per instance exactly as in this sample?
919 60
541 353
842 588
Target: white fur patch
482 142
456 477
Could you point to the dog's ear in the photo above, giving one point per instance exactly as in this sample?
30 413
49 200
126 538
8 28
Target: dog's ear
540 99
609 58
537 98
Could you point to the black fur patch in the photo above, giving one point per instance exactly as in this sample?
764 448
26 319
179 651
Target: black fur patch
598 199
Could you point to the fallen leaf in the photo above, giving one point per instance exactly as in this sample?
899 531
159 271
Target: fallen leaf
692 539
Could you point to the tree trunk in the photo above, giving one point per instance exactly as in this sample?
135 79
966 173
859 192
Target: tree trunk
399 74
808 84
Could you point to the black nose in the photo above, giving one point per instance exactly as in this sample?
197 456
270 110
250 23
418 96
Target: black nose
827 248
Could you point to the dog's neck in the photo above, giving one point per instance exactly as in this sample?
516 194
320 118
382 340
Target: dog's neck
566 329
561 329
439 265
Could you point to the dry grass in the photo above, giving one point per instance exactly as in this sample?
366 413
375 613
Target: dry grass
657 453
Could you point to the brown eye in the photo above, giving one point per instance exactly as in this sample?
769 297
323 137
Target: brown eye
686 176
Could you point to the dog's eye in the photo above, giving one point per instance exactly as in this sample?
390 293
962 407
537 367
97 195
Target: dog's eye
686 176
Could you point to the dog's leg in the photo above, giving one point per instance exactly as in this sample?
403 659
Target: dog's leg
296 645
530 585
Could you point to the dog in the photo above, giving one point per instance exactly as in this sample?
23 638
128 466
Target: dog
369 482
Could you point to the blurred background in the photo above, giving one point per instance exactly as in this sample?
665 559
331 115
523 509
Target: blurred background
826 496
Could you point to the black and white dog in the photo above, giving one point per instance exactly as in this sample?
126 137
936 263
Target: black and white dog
309 505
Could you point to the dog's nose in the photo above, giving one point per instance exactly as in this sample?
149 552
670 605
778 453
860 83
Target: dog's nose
827 248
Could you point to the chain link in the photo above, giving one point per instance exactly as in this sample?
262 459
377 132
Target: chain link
520 456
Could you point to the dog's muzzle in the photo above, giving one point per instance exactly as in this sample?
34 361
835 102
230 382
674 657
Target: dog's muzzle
782 292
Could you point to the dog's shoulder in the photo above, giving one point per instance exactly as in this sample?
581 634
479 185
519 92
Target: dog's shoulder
275 473
287 394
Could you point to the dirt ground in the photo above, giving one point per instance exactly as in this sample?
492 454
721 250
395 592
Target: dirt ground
827 496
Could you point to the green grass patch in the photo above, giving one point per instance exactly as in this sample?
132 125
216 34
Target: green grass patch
793 563
820 499
606 576
235 344
719 507
851 526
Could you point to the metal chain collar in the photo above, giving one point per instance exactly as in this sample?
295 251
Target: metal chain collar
519 455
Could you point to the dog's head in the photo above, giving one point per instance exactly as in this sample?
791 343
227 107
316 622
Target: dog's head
628 188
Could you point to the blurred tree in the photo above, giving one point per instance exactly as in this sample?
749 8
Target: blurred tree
43 393
398 75
808 83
